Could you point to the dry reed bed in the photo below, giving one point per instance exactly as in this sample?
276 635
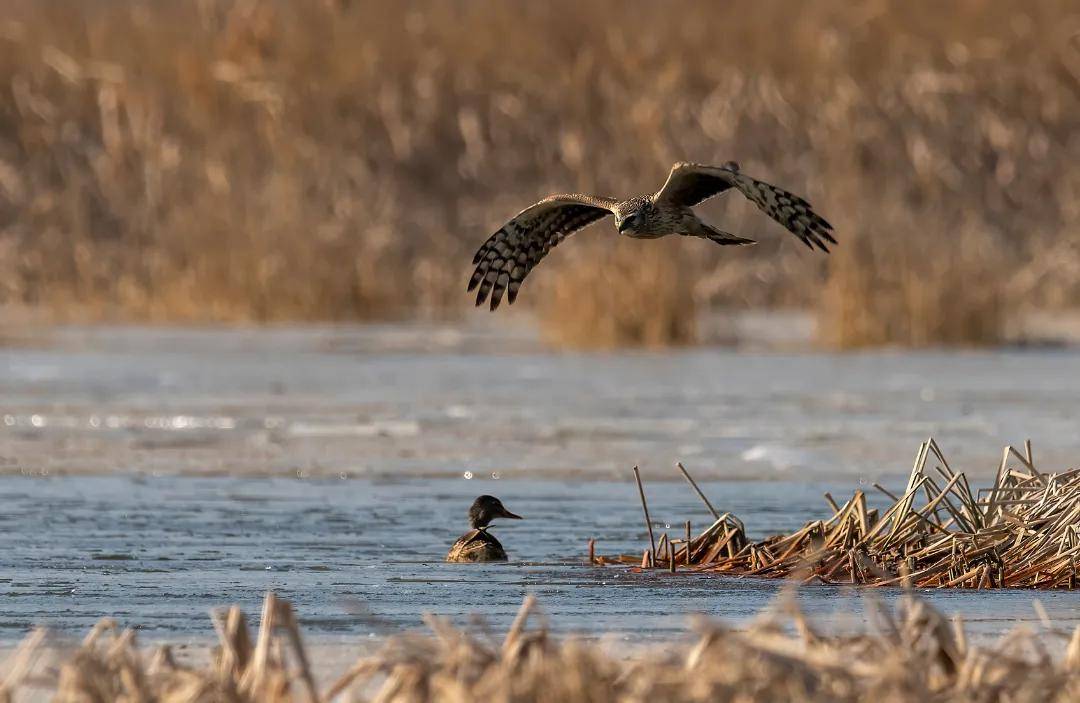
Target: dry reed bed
1022 532
279 159
914 653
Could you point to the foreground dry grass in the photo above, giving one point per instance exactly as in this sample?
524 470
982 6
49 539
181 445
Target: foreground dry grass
916 654
278 159
1021 532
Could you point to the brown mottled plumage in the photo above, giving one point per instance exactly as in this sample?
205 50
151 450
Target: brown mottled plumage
507 257
476 546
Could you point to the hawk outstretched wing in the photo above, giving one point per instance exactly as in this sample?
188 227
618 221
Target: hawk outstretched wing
689 184
506 258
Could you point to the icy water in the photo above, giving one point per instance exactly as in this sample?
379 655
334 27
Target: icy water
439 401
364 558
150 475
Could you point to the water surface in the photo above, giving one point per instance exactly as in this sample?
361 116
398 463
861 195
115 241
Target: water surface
364 558
440 400
152 474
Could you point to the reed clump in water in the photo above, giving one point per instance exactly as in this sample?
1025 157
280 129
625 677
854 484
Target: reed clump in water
1022 532
915 654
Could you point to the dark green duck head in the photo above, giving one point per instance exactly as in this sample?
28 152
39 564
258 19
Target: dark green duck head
485 509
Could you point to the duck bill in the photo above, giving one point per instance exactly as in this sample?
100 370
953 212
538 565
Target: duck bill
512 516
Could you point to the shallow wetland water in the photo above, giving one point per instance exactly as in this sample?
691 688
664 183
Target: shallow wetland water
362 557
151 475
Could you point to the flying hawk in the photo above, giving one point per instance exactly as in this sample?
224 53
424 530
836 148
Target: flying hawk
506 258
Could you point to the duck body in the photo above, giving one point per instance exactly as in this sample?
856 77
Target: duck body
476 546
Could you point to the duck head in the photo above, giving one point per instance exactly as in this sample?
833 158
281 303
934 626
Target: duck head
485 509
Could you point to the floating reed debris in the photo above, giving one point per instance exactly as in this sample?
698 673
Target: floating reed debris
1022 532
914 654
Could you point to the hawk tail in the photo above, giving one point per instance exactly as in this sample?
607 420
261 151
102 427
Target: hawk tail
723 238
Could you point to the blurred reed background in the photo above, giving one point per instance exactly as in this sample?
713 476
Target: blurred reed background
288 160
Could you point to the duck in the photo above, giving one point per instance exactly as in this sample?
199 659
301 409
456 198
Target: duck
478 544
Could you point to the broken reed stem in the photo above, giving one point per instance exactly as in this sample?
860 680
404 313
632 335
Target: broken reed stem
1025 533
22 664
292 629
686 474
518 626
645 508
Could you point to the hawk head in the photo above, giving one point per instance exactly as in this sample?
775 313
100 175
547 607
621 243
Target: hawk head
633 216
